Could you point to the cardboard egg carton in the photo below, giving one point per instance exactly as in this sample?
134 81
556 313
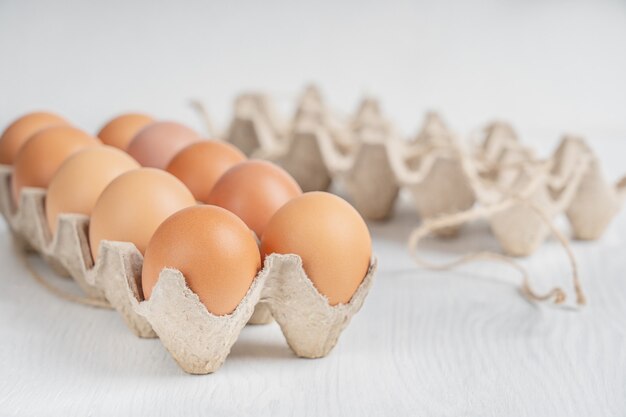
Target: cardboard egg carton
521 195
198 340
367 158
444 177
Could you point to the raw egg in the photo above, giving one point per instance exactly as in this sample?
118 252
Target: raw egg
156 144
201 164
22 129
133 205
331 238
122 129
254 191
41 156
81 179
213 249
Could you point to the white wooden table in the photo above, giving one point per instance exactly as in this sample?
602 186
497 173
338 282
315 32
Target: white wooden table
425 343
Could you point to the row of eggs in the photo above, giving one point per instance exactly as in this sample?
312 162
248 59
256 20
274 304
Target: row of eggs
195 205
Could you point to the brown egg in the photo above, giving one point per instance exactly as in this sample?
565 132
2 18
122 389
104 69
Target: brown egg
133 205
81 179
18 132
254 191
156 144
213 249
43 154
121 130
331 238
201 164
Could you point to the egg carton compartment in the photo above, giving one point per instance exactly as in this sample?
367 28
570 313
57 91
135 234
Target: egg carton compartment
444 176
200 341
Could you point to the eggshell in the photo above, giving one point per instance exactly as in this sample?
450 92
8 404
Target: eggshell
201 164
254 191
41 156
331 238
134 204
156 144
81 179
212 248
18 132
119 131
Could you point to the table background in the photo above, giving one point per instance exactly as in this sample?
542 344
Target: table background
425 343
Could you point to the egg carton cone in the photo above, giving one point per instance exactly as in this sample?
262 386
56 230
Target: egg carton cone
310 101
254 127
434 131
263 105
369 117
367 173
370 181
309 323
596 201
310 109
313 113
525 224
117 273
436 181
302 158
500 149
303 154
519 229
200 341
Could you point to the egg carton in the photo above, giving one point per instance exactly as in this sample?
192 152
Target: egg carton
569 182
363 156
520 195
443 176
198 340
374 166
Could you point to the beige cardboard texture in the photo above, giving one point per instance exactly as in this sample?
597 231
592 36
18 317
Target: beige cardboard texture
117 273
371 182
261 315
596 201
310 324
303 159
198 340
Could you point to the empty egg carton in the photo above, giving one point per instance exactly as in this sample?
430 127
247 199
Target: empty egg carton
365 155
